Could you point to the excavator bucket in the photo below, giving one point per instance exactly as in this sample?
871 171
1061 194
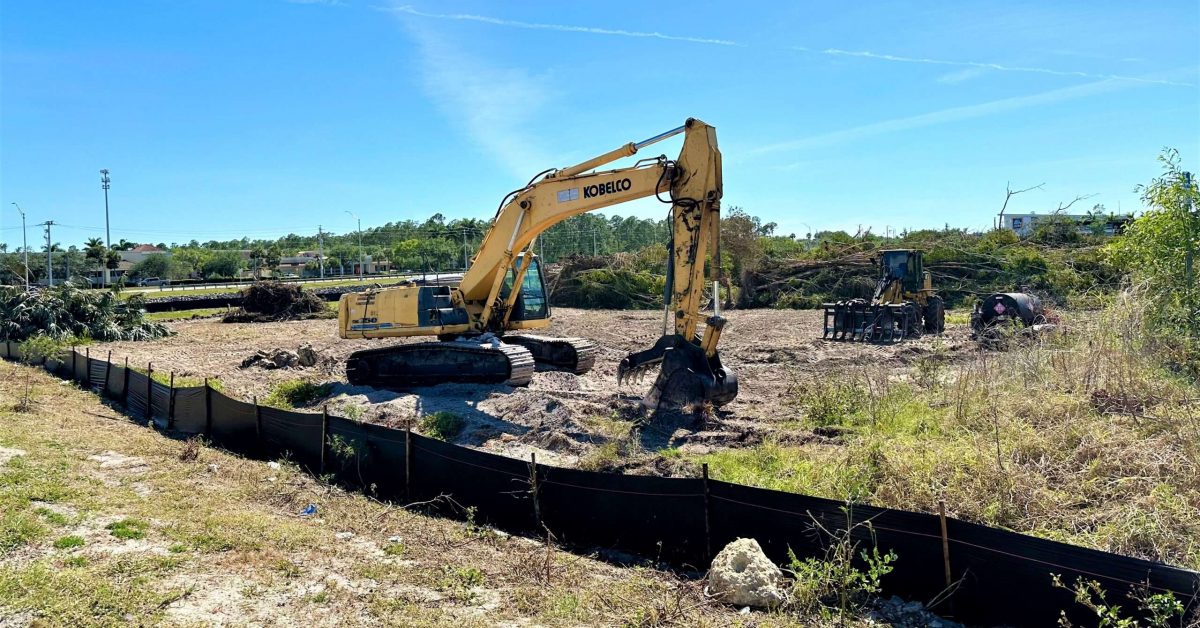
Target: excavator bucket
686 376
858 320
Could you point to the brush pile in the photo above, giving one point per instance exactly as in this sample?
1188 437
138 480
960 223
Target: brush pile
622 281
68 312
267 301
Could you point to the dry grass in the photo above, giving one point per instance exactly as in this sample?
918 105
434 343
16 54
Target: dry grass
1079 437
176 532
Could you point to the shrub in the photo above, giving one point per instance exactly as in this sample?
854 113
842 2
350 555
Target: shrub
65 312
296 393
442 425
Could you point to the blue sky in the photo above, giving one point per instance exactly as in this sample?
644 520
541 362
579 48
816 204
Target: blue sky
224 118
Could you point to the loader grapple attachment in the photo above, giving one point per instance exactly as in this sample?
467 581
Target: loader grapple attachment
858 320
686 376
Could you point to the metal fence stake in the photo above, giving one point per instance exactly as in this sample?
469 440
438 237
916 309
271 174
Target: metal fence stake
945 540
708 555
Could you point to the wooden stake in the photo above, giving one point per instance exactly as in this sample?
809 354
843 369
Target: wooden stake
945 541
324 434
207 410
257 421
408 460
533 483
171 404
149 391
707 523
107 370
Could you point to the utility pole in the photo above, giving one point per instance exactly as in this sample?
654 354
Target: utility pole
24 245
465 262
49 259
361 260
104 182
594 252
321 250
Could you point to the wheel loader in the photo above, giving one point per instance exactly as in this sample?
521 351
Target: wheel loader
503 292
903 305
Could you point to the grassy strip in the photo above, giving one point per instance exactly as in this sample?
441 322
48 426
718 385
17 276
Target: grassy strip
175 538
1080 438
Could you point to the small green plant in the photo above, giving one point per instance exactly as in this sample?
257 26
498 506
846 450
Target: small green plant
353 413
295 393
828 401
834 586
442 425
68 542
128 529
287 568
464 577
1160 608
57 518
178 548
76 561
394 548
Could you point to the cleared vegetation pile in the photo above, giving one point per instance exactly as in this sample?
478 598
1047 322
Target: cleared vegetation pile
67 312
621 281
963 266
276 301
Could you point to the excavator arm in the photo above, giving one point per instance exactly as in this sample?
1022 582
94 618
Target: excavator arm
485 299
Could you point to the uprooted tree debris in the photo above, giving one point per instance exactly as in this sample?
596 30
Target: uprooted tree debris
620 281
66 311
266 301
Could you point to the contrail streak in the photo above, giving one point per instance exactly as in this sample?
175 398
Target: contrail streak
560 27
829 52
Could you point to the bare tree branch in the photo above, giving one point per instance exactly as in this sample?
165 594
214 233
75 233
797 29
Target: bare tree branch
1062 208
1009 193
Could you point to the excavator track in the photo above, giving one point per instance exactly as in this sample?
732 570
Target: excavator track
432 363
577 355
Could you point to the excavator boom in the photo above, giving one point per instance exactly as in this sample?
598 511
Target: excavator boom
502 290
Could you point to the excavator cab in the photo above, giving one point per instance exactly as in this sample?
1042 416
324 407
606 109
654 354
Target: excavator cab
532 303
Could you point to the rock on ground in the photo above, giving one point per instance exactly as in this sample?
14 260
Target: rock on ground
742 575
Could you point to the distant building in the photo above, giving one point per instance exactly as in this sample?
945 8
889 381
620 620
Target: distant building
1024 224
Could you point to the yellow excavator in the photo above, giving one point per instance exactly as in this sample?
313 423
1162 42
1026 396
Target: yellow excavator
903 305
503 289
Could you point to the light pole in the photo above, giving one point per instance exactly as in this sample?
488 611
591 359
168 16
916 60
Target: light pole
24 245
361 260
104 182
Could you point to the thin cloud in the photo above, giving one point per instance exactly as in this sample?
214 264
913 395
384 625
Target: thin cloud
830 52
836 52
493 104
953 114
958 76
559 27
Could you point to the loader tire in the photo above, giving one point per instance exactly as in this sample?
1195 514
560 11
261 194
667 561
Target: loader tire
935 316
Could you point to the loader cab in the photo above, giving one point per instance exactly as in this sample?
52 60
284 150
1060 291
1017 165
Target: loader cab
532 302
904 265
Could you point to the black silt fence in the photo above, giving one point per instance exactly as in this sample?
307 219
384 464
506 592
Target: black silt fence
999 577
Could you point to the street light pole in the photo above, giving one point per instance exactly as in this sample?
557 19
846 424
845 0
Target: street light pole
24 245
104 182
49 256
361 260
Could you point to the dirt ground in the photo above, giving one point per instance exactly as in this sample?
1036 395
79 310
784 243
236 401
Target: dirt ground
561 416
